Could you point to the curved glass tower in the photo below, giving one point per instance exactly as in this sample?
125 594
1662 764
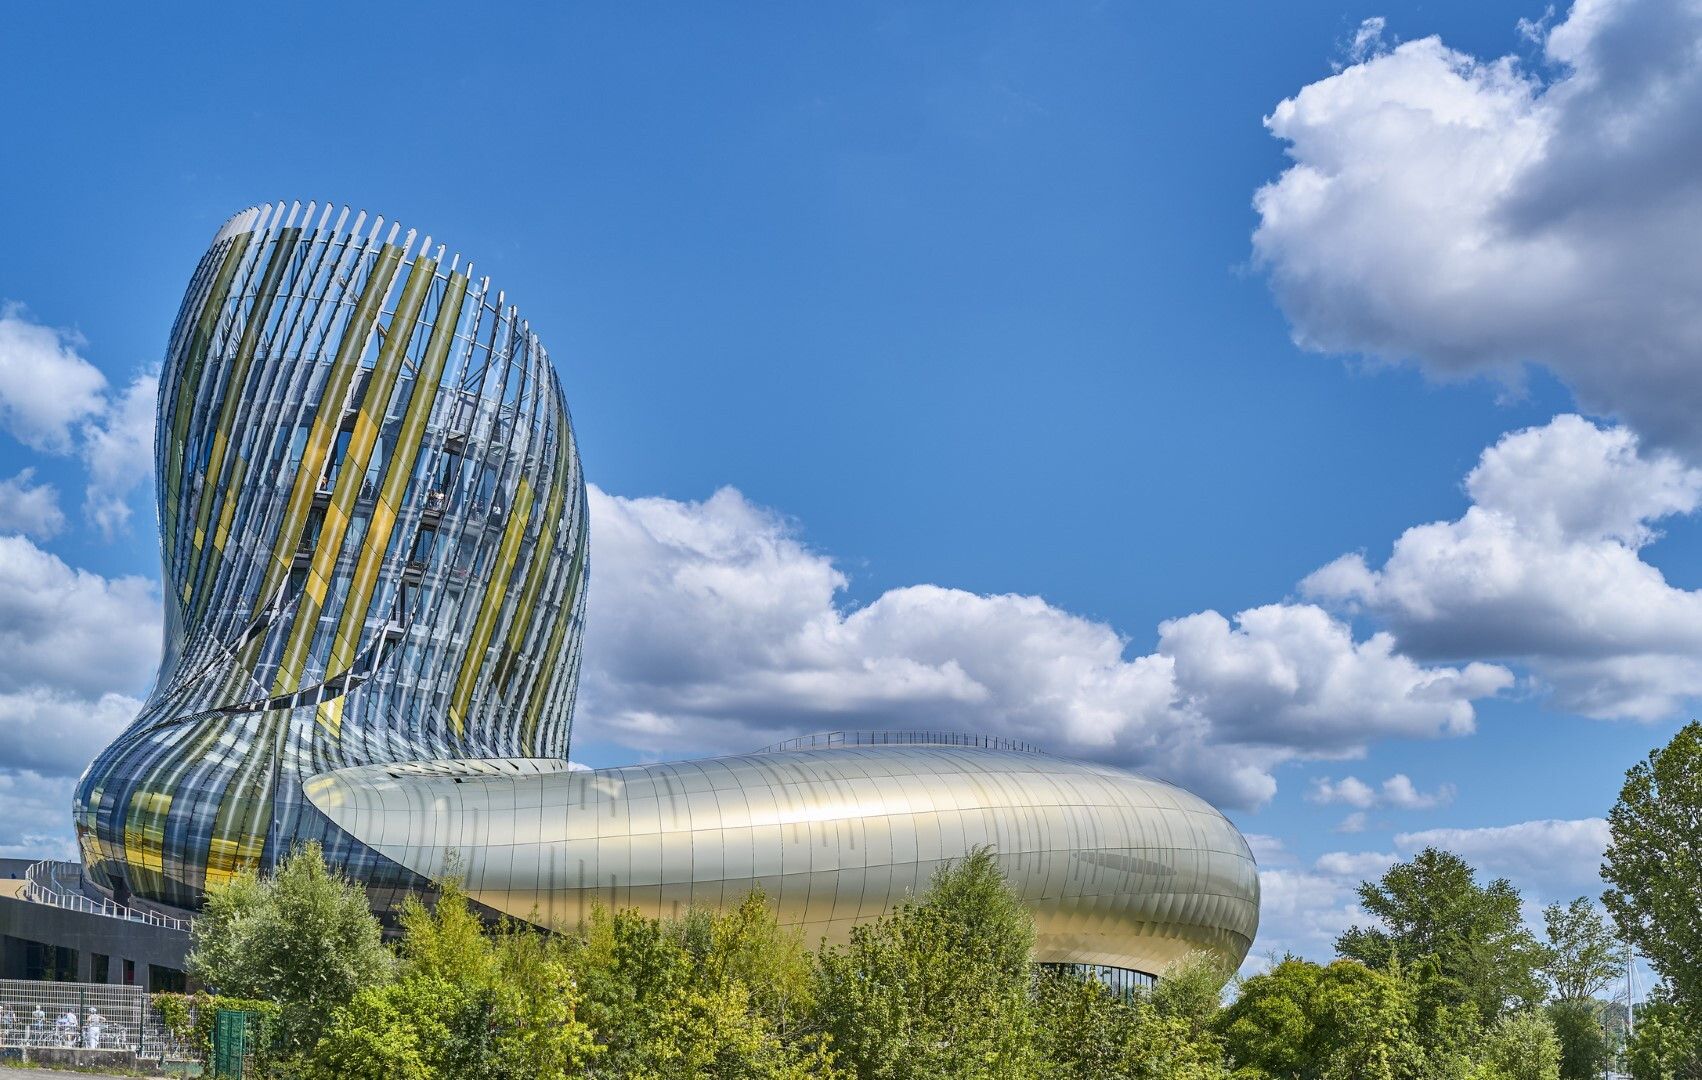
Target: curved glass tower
373 527
372 522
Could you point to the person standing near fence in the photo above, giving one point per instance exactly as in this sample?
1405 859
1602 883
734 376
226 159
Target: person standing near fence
91 1029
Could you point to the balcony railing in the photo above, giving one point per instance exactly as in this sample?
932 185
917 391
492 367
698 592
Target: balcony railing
44 883
828 740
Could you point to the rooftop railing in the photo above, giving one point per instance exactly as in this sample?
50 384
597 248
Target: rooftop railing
828 740
45 882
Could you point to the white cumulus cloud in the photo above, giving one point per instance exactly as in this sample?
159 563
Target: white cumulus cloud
38 815
46 388
1545 569
1398 791
53 400
716 628
1548 860
30 508
76 650
70 631
1479 214
118 452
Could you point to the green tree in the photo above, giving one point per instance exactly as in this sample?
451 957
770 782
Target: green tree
1300 1021
1654 864
303 938
402 1030
1580 956
1191 991
1085 1032
1667 1046
1433 907
938 989
1583 1042
467 1003
720 995
1522 1046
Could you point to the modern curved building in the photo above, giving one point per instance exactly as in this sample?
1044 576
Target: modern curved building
373 528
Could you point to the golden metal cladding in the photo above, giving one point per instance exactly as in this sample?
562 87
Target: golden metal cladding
1118 869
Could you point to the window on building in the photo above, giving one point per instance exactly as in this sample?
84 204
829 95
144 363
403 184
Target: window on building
166 980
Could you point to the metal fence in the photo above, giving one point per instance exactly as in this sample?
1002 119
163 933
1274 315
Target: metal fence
61 885
89 1016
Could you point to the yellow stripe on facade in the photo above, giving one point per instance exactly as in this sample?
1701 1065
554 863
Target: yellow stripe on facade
351 474
479 641
267 293
239 469
227 858
144 831
540 563
330 716
397 474
552 652
328 417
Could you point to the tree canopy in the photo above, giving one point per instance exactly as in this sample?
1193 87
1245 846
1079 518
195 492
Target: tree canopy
1445 985
302 937
1654 864
1580 956
1431 908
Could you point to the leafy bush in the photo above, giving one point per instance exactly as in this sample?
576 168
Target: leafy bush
190 1019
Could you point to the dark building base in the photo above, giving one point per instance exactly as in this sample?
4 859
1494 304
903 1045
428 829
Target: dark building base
38 941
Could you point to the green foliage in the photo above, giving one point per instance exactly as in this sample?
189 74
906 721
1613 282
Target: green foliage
1580 956
1302 1020
937 990
723 995
1085 1032
1432 908
1522 1046
466 1003
940 989
302 938
1667 1046
1583 1043
190 1018
407 1029
1191 992
1654 863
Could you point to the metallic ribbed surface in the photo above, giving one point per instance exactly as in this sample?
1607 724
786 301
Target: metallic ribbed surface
372 522
1118 869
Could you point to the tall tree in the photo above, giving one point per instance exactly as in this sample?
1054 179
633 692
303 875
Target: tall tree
1667 1046
937 990
1432 908
1580 956
1083 1031
1522 1046
712 995
1583 1042
469 1004
303 938
1300 1020
1654 864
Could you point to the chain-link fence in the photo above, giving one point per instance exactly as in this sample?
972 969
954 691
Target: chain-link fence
89 1016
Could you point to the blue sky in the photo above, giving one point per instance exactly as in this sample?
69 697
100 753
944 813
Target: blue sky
972 298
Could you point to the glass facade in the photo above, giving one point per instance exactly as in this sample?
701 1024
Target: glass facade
373 531
373 528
